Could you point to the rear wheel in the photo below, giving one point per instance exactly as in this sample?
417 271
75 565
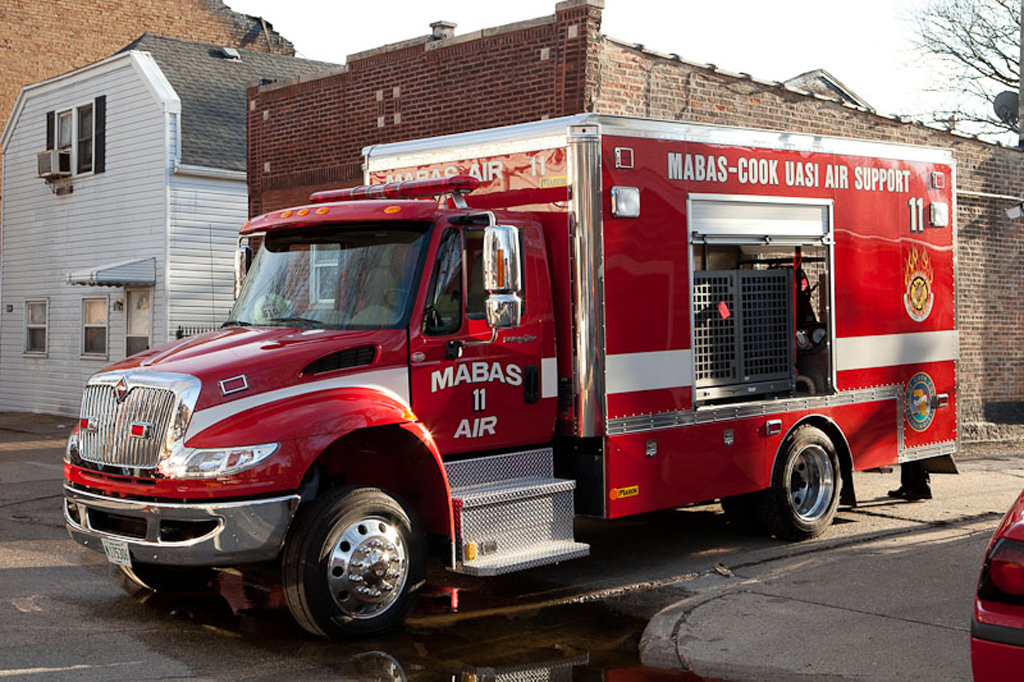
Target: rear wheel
353 563
805 487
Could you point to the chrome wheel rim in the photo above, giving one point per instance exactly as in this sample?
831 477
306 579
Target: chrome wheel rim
368 567
811 483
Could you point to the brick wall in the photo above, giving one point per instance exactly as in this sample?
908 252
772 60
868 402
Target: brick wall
306 136
39 40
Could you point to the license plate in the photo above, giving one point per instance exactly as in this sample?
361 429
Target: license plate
117 552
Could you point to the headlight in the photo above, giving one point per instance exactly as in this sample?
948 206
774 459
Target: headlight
207 463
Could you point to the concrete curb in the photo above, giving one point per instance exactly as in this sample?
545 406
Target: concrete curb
659 642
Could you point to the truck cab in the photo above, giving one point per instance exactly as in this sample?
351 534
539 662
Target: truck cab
372 343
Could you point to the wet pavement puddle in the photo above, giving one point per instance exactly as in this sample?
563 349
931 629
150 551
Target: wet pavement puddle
459 631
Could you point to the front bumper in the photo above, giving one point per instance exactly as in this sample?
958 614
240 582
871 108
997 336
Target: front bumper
201 533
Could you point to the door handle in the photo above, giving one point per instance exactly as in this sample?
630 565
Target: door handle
453 350
773 427
531 383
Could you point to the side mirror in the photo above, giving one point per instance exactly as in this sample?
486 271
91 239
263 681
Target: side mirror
503 276
243 259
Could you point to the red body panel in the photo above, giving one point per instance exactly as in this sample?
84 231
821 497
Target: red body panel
698 463
995 662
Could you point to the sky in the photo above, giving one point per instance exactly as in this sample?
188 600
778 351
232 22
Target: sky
867 44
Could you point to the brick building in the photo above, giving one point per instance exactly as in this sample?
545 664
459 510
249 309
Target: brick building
307 134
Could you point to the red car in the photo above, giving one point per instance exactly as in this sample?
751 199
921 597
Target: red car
997 631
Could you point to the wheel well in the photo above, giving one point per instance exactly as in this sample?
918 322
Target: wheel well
843 453
394 460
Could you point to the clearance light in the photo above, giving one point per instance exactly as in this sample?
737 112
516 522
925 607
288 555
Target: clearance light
410 189
323 211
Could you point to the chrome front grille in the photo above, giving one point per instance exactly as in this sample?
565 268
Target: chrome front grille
109 439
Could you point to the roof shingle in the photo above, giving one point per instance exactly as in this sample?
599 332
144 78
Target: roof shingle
212 89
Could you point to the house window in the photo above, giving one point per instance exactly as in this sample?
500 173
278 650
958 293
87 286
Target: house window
80 134
324 273
35 327
94 326
84 139
138 325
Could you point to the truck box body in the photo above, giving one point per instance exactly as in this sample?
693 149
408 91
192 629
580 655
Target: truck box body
628 313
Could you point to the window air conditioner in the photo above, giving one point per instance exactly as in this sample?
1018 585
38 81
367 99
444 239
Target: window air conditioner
54 163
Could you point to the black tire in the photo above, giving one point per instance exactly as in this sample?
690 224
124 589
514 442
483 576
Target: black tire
171 578
806 482
743 513
353 564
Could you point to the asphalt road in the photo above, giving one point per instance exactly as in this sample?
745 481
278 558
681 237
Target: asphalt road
890 585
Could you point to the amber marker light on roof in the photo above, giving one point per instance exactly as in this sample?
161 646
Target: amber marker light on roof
286 214
392 209
322 211
302 211
246 224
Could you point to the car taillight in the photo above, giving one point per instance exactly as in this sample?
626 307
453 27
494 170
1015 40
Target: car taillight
1002 578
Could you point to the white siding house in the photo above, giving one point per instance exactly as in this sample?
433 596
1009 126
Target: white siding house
138 240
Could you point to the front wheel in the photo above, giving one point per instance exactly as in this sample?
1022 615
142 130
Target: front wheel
805 486
353 564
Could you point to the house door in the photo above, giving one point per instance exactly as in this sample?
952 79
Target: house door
138 324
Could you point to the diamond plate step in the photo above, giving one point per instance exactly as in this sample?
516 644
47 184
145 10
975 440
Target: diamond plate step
511 513
542 554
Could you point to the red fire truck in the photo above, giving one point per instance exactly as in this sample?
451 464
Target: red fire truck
595 314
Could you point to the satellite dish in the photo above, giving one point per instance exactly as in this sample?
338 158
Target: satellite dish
1006 105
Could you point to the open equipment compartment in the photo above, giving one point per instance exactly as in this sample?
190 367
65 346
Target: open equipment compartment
761 298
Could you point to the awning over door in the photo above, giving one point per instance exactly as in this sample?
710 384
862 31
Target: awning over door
140 272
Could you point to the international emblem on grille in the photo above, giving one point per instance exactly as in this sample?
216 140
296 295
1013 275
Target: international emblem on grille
121 389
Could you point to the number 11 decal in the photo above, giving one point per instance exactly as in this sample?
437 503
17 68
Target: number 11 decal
479 399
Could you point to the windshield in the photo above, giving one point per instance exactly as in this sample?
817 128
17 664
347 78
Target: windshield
333 278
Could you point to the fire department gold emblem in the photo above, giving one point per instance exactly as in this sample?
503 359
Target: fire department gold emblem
918 278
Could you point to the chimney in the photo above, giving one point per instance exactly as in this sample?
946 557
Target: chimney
440 30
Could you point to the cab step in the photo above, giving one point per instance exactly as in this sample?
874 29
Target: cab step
511 513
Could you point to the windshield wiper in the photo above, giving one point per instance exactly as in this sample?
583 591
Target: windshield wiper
309 322
236 323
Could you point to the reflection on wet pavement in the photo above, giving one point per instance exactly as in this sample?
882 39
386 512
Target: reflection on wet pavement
459 631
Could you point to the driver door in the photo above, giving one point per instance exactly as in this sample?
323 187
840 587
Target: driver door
473 394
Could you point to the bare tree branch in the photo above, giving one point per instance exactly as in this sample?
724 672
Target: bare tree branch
979 42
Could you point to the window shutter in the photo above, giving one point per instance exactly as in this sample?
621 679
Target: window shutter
50 125
99 115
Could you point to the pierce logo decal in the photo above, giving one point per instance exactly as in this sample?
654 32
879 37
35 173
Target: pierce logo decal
619 493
